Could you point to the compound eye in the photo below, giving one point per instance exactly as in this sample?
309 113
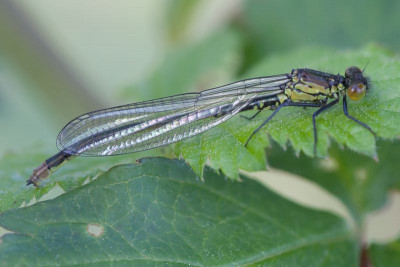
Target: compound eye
351 71
356 91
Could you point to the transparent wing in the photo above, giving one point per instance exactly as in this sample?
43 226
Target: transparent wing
145 125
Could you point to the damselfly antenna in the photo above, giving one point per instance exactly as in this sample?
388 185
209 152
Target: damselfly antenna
365 67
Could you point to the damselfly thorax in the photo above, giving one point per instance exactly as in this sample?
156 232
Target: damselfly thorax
146 125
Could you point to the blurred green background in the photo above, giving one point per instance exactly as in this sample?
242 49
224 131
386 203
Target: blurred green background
59 59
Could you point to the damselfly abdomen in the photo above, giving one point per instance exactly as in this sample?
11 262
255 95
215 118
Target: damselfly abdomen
146 125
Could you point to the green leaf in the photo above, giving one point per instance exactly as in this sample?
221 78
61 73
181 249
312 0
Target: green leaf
224 147
380 109
385 255
360 182
157 213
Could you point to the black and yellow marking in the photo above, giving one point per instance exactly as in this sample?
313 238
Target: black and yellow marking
311 88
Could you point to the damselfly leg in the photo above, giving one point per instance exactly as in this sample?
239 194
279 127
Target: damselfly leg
259 107
354 119
285 104
251 117
323 107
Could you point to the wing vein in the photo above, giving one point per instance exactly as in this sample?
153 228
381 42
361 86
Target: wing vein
145 125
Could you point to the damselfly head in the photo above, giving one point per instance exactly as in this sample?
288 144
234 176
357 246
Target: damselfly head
356 83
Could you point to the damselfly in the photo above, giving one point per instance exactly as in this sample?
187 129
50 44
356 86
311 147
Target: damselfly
146 125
